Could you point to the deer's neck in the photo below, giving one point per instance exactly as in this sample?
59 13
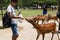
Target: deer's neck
35 25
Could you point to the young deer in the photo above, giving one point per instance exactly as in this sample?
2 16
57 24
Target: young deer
53 17
43 28
43 18
39 17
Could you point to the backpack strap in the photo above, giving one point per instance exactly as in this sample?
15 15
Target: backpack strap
11 10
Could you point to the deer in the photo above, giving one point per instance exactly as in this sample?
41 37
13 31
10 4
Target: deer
43 18
53 17
44 28
39 17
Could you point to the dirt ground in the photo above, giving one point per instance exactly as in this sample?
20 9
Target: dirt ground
26 32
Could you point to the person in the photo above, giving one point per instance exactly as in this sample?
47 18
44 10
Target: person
58 15
44 8
13 16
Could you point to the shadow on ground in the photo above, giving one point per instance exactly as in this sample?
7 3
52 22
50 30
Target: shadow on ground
1 27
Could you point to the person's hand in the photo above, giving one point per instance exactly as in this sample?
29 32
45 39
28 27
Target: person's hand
22 18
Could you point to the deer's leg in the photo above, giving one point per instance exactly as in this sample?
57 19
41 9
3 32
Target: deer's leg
43 36
37 21
52 35
58 36
37 36
54 21
42 21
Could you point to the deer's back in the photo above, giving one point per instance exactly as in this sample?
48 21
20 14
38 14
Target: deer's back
46 28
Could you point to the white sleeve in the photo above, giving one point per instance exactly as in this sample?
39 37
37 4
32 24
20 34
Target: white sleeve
9 9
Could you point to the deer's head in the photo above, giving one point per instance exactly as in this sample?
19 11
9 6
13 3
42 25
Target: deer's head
29 20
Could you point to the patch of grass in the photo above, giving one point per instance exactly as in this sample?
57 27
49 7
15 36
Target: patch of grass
52 12
30 12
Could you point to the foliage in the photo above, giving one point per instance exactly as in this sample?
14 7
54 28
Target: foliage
29 2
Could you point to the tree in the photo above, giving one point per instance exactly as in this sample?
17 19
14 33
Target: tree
30 2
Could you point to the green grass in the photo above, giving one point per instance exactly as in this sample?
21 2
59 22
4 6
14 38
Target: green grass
30 12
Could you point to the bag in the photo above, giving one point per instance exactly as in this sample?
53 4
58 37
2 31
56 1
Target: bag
58 14
6 20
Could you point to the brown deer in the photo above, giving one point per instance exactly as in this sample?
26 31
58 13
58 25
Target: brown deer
53 17
39 17
44 28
